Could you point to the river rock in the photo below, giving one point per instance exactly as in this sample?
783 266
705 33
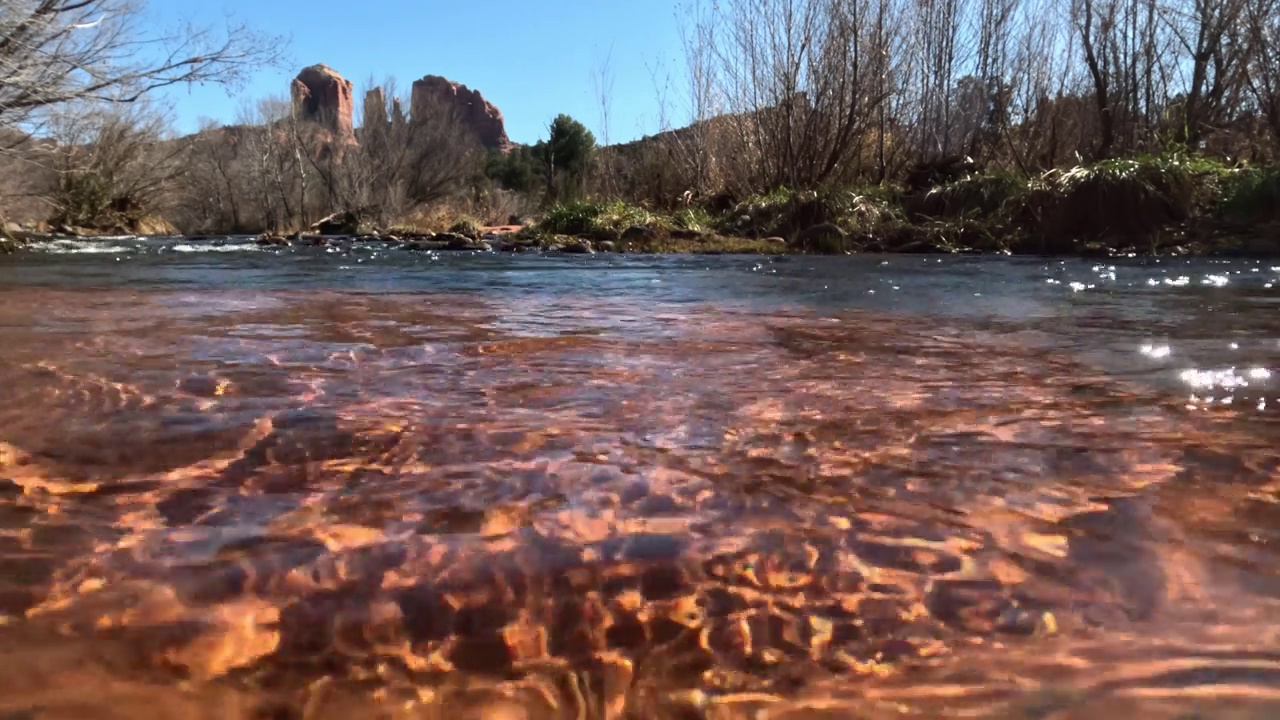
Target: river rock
581 247
273 241
424 245
822 237
608 246
454 241
639 232
339 223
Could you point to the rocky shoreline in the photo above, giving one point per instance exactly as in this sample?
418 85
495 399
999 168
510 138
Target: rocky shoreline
645 240
507 241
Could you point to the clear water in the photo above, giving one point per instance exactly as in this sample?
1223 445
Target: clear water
359 481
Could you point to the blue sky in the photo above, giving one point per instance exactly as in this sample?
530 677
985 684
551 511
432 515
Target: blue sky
531 58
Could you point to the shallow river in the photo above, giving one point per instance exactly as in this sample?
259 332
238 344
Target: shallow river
365 482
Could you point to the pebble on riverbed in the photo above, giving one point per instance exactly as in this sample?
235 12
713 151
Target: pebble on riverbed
1020 621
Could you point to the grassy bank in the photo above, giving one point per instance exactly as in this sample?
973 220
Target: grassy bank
1170 204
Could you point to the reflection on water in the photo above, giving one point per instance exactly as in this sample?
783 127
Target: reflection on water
689 503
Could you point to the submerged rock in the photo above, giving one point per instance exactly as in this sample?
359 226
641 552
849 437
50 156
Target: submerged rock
455 241
825 237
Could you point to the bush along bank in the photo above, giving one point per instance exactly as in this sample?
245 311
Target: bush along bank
1163 205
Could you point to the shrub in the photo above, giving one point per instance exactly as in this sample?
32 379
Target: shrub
592 218
786 213
1125 197
1250 195
572 218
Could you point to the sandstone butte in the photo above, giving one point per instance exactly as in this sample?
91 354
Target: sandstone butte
323 96
478 114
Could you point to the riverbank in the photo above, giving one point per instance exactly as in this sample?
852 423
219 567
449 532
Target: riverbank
1152 206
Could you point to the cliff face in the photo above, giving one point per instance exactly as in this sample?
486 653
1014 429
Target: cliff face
433 92
323 96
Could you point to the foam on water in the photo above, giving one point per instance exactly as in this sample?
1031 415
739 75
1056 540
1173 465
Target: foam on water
100 246
205 248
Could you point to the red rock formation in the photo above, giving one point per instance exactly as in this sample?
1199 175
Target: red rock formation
476 113
375 109
323 96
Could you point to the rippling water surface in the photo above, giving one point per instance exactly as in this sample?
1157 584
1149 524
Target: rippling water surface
365 482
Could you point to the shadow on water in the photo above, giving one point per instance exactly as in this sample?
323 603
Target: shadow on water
247 484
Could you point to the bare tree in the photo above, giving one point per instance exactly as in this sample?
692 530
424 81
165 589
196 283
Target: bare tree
443 154
371 179
212 189
939 28
278 167
801 80
1262 71
1207 31
602 80
55 52
398 161
115 165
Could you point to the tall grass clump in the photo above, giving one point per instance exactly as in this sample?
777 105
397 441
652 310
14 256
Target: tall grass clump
572 218
693 218
1130 198
976 195
786 213
595 218
467 226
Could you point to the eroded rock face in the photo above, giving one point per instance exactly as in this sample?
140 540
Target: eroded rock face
323 96
481 116
375 108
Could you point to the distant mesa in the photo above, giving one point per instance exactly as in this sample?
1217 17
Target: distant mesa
322 96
